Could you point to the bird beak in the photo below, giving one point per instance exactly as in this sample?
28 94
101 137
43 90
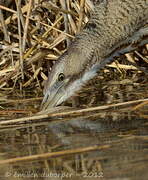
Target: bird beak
53 96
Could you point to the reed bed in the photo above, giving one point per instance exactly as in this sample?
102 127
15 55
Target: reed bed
33 34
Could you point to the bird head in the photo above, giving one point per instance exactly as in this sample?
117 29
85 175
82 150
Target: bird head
67 76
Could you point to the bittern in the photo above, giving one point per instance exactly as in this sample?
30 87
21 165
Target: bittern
115 27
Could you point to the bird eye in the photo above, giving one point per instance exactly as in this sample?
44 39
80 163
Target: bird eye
61 77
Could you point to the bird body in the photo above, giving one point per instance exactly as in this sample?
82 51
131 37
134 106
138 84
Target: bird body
114 28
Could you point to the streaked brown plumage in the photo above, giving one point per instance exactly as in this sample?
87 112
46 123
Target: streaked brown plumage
115 27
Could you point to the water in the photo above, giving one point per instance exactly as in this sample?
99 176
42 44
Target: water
120 134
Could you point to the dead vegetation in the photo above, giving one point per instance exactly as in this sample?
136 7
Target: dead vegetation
34 33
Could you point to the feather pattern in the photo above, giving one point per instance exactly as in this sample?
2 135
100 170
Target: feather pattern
114 28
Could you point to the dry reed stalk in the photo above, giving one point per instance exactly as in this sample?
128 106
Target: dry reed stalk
53 154
71 113
19 14
7 9
81 14
14 16
26 25
46 156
